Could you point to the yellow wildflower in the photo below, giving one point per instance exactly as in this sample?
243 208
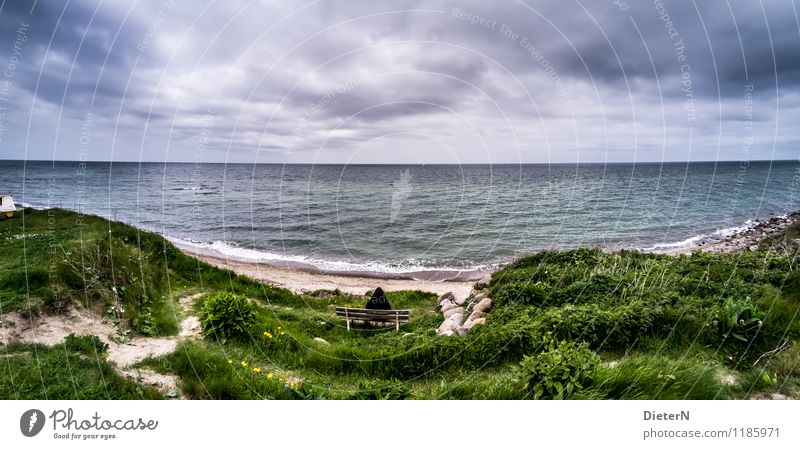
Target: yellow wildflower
256 370
270 375
282 332
243 363
230 362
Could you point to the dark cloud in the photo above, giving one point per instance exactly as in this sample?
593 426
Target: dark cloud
535 79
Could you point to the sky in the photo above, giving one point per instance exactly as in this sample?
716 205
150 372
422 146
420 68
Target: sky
399 81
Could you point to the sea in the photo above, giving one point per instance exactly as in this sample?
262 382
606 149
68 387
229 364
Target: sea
407 220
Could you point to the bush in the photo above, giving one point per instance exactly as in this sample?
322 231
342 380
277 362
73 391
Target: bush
226 316
737 318
560 369
85 344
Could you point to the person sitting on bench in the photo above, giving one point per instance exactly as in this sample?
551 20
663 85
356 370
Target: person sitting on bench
378 300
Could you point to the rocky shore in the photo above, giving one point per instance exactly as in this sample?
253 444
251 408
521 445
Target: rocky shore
760 236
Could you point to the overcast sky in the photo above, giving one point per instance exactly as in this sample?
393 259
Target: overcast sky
399 81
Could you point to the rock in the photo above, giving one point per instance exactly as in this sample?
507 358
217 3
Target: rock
483 282
460 301
753 248
457 318
472 323
471 305
479 297
475 315
483 306
448 333
461 331
448 306
447 325
453 311
446 297
321 340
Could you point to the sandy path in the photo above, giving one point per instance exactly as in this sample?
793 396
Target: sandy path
300 281
52 329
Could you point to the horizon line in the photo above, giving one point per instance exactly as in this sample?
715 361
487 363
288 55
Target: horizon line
404 163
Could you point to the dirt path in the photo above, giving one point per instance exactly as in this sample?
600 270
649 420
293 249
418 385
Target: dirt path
52 329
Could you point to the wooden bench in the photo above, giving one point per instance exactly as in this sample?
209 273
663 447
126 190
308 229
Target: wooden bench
372 315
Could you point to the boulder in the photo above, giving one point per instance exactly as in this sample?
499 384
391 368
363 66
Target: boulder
450 312
460 301
448 306
447 325
483 282
457 318
321 340
484 306
472 323
446 297
475 315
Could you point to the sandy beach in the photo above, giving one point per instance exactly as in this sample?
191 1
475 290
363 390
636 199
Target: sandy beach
300 279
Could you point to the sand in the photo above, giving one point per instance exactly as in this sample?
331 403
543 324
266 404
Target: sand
301 280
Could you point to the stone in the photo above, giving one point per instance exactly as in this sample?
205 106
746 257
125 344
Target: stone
457 318
462 331
446 297
483 306
451 312
321 340
472 323
471 305
479 296
447 325
448 333
475 315
483 282
460 301
448 306
753 248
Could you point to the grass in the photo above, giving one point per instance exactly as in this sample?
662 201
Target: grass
70 370
652 320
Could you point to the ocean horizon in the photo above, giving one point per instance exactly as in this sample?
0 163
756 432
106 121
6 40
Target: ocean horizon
401 219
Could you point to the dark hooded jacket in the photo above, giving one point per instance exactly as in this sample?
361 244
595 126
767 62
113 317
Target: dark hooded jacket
378 300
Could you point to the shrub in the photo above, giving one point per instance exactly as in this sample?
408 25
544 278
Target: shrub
381 390
560 369
737 318
226 315
85 344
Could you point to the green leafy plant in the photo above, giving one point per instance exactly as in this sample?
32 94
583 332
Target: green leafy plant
737 318
85 344
225 316
381 390
560 369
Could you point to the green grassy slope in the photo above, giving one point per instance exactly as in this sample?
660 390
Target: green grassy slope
661 327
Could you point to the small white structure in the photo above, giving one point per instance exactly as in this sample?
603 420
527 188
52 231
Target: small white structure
7 206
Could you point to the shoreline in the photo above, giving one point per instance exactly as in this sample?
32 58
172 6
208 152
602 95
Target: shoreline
302 279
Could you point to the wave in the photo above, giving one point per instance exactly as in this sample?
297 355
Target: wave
235 252
712 237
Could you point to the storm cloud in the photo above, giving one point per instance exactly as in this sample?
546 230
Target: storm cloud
400 82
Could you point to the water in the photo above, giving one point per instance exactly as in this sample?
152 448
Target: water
400 219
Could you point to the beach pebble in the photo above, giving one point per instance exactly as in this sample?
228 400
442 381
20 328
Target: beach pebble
483 306
321 340
453 311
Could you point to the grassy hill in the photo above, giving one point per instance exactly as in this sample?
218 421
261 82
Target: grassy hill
577 324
